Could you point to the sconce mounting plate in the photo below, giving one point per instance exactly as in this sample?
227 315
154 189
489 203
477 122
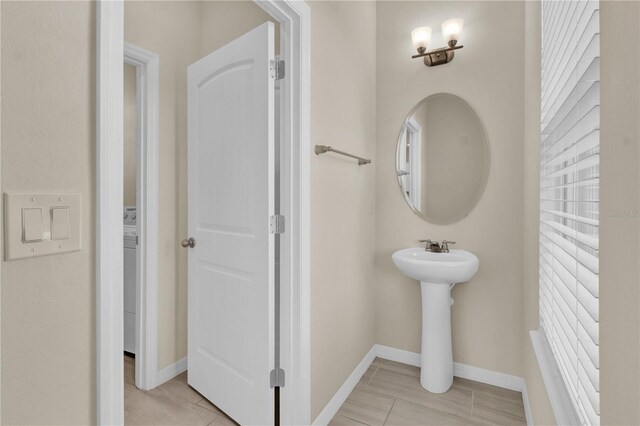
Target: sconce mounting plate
440 56
438 59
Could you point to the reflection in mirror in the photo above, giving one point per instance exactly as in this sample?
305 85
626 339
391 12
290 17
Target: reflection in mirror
442 158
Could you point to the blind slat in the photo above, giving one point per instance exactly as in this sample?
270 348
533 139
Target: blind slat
569 196
585 258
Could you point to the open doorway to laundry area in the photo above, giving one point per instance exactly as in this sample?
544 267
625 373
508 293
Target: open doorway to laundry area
140 214
162 353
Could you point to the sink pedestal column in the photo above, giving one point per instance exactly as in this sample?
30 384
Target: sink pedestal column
436 374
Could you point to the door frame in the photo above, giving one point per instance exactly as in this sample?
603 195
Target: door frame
147 66
295 397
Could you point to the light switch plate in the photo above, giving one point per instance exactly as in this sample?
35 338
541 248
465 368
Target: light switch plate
59 230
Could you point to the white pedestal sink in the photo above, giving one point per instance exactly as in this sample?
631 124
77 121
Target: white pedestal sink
437 273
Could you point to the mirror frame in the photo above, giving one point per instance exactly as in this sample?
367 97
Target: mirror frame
485 175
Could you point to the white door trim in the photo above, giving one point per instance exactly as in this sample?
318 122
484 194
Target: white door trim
109 190
295 306
294 19
147 128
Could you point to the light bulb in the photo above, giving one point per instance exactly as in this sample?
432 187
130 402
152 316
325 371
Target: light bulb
452 29
421 37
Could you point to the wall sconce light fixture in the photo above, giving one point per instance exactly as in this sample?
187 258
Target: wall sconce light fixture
421 37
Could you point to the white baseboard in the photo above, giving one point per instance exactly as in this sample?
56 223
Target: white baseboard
171 371
341 396
464 371
489 377
397 355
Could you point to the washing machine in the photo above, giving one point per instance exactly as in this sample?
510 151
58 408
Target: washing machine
130 238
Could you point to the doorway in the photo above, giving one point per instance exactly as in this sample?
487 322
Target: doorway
140 212
293 18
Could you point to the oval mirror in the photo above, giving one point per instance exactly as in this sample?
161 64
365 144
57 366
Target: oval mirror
442 158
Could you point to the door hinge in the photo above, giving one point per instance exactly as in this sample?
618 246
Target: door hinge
277 224
276 378
137 241
277 68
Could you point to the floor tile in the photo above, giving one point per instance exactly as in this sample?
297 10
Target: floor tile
372 416
397 367
371 371
495 410
143 409
401 386
178 386
339 420
407 413
223 420
496 391
365 395
160 407
129 370
130 390
173 403
204 403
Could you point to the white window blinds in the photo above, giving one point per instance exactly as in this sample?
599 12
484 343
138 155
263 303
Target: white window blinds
569 186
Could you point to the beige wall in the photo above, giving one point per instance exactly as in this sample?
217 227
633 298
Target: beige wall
130 135
487 319
224 21
619 193
172 30
343 93
48 138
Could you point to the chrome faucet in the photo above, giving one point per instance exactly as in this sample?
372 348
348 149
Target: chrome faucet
435 247
445 245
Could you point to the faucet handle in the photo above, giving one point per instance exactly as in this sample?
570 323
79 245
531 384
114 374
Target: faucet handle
428 245
431 245
445 245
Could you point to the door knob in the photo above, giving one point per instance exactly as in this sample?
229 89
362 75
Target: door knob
191 243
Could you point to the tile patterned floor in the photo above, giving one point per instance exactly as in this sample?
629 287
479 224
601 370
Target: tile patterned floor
390 394
173 403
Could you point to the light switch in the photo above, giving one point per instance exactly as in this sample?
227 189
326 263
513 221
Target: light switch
31 225
41 224
59 223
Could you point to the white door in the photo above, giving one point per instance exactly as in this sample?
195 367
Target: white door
231 193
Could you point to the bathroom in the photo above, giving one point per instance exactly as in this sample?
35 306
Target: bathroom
348 314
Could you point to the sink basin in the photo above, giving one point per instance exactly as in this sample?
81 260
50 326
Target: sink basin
437 273
457 266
